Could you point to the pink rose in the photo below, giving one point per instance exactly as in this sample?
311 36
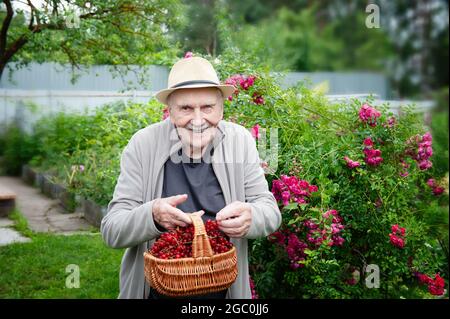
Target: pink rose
368 142
255 131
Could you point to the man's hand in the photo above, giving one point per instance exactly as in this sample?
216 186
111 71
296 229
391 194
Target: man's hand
167 215
235 219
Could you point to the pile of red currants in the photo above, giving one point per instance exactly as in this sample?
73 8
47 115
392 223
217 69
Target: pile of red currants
177 243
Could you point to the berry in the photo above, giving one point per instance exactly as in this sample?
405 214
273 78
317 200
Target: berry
177 243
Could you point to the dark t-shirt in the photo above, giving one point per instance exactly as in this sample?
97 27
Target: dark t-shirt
198 180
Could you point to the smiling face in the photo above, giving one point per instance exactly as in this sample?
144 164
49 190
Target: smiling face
196 113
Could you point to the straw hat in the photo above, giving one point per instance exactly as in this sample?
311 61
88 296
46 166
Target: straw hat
193 72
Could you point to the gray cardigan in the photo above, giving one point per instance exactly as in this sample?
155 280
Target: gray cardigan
129 223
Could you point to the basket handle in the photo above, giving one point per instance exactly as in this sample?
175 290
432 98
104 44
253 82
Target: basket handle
200 244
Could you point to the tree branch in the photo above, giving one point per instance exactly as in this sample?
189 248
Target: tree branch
120 28
23 39
30 25
70 55
5 26
33 9
95 14
35 26
55 9
16 46
96 43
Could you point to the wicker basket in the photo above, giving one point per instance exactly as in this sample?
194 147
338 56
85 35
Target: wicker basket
200 274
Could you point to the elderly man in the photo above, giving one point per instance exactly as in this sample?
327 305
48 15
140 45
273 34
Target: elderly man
193 161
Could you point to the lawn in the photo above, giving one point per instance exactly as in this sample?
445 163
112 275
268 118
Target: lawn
38 269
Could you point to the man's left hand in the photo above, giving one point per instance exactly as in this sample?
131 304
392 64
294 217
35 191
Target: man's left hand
235 219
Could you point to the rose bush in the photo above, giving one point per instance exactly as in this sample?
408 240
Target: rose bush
353 184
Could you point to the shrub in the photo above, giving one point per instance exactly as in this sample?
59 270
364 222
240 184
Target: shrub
372 206
439 127
17 148
83 151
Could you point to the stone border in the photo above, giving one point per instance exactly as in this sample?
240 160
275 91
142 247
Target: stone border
92 212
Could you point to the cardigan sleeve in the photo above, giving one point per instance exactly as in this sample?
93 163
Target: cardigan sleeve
266 216
129 221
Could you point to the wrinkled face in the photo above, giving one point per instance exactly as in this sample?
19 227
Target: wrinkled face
196 113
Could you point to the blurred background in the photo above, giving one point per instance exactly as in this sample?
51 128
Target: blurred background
78 55
395 49
407 41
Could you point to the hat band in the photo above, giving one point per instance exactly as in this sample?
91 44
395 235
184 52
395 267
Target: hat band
193 82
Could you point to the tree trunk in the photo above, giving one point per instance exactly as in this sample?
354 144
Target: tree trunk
16 46
2 67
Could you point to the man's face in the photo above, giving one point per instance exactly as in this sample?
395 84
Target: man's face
196 113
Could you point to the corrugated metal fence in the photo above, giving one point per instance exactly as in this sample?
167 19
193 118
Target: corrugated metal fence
49 86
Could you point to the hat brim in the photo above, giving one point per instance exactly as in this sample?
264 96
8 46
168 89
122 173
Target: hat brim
227 90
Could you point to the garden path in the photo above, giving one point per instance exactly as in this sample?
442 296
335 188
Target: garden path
42 213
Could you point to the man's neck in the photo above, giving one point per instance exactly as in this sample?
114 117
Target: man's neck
195 153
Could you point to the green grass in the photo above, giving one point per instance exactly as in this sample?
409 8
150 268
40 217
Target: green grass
38 269
20 223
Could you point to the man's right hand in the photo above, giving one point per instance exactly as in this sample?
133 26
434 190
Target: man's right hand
167 215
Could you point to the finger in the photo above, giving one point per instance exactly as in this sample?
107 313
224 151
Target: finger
240 233
228 211
180 223
235 232
232 222
177 199
179 215
172 223
168 225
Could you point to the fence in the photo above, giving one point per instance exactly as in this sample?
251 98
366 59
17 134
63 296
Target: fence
50 87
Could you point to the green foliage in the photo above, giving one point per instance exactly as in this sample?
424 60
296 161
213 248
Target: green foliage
439 127
304 47
295 41
95 141
198 28
2 143
17 148
125 32
327 35
314 136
